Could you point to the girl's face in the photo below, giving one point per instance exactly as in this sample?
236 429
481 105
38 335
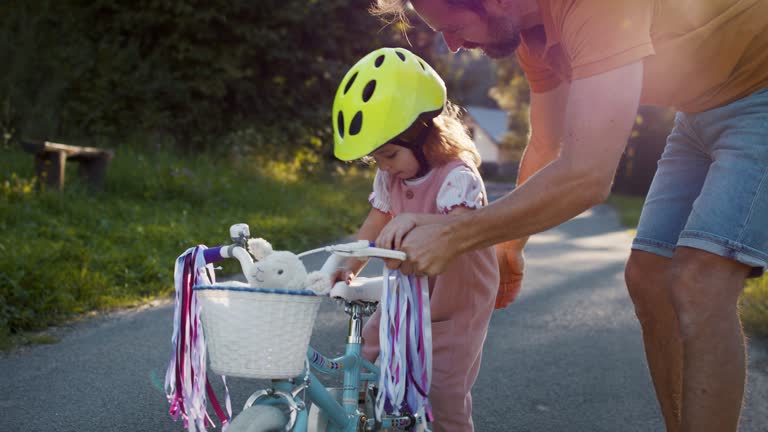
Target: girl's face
396 160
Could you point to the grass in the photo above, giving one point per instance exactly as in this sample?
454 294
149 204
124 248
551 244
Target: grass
754 300
71 252
629 208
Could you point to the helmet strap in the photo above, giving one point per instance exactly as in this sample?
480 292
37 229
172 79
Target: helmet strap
417 147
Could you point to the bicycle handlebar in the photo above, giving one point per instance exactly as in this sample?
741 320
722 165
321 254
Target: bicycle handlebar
218 253
361 249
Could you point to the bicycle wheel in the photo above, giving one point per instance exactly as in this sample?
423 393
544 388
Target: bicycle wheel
259 418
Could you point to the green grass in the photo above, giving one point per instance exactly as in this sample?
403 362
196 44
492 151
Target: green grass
629 208
754 300
71 252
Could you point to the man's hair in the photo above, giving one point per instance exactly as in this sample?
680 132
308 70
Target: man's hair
395 10
391 10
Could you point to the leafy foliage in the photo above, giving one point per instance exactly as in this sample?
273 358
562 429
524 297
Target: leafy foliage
512 93
753 306
191 71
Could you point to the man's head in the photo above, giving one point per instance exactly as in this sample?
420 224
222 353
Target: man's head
492 26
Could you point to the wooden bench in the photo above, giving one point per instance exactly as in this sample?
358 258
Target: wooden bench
51 159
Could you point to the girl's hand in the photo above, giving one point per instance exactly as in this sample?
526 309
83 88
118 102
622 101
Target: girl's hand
391 237
342 274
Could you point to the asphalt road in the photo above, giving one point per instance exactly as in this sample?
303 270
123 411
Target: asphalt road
566 356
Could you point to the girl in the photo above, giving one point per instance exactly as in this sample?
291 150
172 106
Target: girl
391 107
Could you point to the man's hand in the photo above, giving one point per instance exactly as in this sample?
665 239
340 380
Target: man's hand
429 251
511 266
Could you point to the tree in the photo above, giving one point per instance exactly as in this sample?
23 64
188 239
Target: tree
512 93
196 71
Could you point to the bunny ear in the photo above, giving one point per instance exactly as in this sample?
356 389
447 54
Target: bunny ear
259 248
318 282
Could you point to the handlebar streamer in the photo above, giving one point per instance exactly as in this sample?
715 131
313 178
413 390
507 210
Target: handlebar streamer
405 339
186 384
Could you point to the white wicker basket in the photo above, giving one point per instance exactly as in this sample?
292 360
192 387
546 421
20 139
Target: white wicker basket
257 333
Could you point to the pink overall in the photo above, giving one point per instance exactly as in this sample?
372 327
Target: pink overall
462 301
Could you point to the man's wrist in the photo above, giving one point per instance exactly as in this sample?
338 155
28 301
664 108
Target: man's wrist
458 231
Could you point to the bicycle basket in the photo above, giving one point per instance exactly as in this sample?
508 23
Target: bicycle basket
255 332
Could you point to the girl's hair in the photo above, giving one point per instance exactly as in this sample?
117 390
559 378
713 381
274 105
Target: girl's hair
449 139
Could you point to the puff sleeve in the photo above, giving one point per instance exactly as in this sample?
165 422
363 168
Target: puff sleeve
379 198
461 187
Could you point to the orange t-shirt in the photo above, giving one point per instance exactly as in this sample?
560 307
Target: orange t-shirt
697 54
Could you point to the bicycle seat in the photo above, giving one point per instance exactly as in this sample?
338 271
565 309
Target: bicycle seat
361 289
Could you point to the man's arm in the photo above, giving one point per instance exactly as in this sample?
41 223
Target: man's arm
598 119
547 112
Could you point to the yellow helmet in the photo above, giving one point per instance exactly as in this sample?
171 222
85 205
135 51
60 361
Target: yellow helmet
380 97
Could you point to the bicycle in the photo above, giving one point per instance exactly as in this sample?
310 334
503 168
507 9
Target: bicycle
297 400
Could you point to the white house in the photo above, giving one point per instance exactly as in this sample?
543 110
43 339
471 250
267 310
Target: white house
487 126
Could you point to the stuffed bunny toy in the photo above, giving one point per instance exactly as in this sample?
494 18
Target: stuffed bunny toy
282 270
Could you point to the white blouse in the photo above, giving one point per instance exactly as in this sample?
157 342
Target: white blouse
461 187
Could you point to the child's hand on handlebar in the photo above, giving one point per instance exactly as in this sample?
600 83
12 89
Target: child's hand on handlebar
342 274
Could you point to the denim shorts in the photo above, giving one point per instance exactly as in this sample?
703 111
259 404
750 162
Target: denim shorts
710 191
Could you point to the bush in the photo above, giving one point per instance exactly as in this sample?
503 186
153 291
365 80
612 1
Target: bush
189 70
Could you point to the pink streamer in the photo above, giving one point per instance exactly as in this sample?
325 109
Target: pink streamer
186 383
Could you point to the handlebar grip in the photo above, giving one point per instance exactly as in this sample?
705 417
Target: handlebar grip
213 254
218 253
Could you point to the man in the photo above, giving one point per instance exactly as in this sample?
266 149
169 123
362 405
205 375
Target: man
704 227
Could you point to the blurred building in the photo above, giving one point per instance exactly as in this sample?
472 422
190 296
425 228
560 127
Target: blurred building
487 127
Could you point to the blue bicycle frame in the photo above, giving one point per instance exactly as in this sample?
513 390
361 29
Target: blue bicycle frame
344 416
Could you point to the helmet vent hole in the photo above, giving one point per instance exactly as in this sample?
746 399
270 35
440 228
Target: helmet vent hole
349 83
368 90
379 61
401 55
422 65
357 123
340 123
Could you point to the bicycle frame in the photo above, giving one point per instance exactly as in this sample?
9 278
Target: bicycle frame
344 417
